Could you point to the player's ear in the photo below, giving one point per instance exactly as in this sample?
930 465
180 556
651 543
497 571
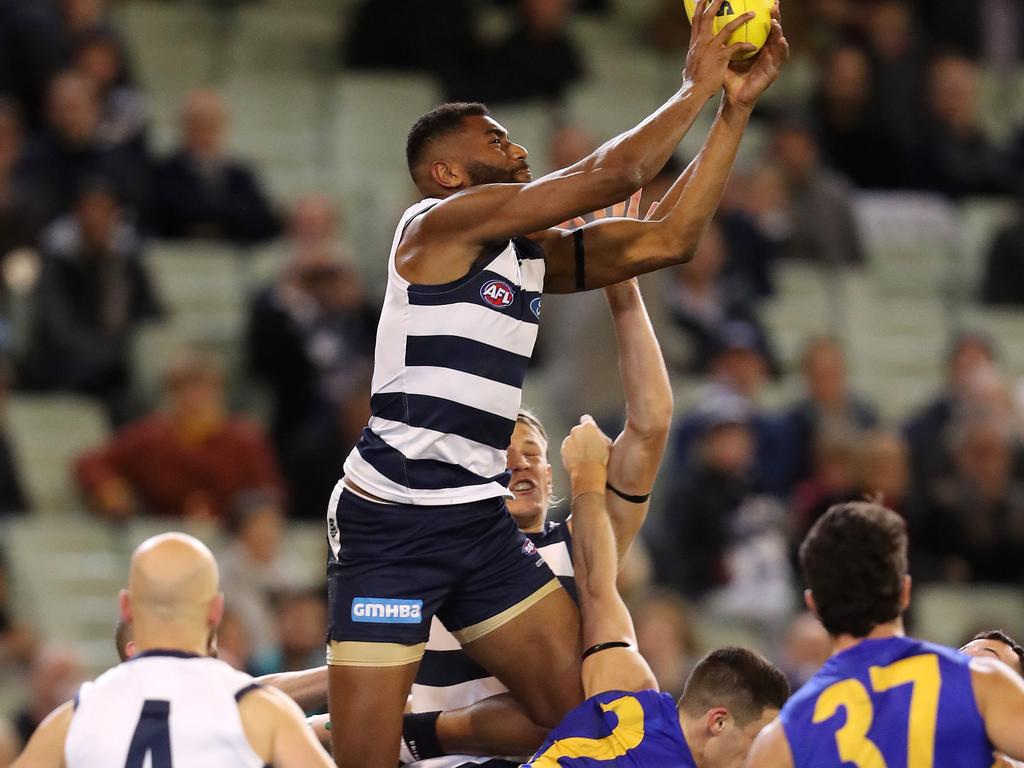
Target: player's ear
445 175
129 649
905 594
125 605
809 602
716 720
216 610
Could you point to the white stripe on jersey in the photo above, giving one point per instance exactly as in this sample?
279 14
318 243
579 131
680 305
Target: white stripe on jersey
474 391
475 322
204 727
431 699
429 444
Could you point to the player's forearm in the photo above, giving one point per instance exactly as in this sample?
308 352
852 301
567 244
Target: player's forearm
495 726
642 152
684 225
594 553
645 382
307 688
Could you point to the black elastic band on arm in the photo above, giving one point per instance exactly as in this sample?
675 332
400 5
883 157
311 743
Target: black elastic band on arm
241 694
605 647
581 268
627 497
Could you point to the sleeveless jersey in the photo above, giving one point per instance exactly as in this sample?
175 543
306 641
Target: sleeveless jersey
161 709
618 728
448 376
447 677
888 703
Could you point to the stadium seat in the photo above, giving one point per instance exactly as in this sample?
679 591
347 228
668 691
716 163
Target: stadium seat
951 614
982 219
48 432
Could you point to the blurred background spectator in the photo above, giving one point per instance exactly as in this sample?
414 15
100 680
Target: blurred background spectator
666 635
20 217
93 295
190 460
253 567
1003 282
18 641
201 191
54 678
301 617
805 648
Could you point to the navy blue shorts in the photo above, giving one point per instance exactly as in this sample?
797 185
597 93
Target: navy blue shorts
392 567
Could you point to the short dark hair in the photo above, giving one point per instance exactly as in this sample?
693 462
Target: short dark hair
437 123
742 681
1001 637
854 561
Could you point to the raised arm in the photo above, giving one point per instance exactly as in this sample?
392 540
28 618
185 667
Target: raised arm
605 617
618 249
999 693
307 687
611 173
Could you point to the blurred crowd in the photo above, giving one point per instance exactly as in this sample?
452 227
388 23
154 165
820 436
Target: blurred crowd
895 104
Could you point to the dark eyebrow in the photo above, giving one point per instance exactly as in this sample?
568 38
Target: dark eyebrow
498 132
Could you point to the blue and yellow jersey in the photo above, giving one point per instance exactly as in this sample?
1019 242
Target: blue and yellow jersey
888 703
618 728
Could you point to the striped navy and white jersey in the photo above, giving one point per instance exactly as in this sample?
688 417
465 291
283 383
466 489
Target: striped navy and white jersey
158 710
448 678
448 377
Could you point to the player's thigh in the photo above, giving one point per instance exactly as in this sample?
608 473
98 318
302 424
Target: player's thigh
537 656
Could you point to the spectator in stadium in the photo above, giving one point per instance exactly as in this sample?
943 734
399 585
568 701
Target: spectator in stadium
712 309
29 57
536 60
20 219
13 499
569 143
885 471
956 158
301 627
233 645
54 678
201 191
983 30
927 429
124 114
311 332
827 404
666 637
93 295
253 568
722 540
821 224
55 167
851 134
1003 283
833 479
805 648
191 460
437 37
18 641
974 527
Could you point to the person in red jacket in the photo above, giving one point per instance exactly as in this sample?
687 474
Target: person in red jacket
190 460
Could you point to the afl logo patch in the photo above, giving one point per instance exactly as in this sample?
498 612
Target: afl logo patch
535 307
498 294
529 548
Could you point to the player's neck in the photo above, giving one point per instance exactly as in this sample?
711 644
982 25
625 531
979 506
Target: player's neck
186 642
842 643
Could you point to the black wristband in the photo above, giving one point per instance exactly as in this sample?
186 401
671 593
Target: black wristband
605 647
581 269
419 732
628 497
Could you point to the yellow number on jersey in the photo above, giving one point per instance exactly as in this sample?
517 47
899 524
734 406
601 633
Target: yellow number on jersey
922 672
628 734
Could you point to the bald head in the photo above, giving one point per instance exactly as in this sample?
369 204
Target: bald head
173 596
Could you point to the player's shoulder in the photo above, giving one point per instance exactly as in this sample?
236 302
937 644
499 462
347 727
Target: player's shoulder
770 747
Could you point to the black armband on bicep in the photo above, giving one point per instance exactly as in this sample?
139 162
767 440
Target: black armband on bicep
581 267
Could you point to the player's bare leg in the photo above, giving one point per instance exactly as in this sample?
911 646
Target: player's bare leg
366 705
537 656
497 725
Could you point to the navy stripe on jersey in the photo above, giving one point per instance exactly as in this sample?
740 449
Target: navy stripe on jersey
439 669
469 356
426 474
527 249
469 292
444 416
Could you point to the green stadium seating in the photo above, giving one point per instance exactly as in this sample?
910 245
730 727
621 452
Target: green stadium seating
951 614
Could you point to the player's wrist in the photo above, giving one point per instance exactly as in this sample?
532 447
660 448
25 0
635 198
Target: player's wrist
588 477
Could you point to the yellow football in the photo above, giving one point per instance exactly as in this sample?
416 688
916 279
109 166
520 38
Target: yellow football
754 31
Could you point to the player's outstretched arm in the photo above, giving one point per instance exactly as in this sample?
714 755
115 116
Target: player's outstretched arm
999 692
276 728
46 747
307 687
614 250
770 749
605 617
611 173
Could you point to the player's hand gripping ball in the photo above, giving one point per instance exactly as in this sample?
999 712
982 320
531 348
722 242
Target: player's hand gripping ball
754 31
